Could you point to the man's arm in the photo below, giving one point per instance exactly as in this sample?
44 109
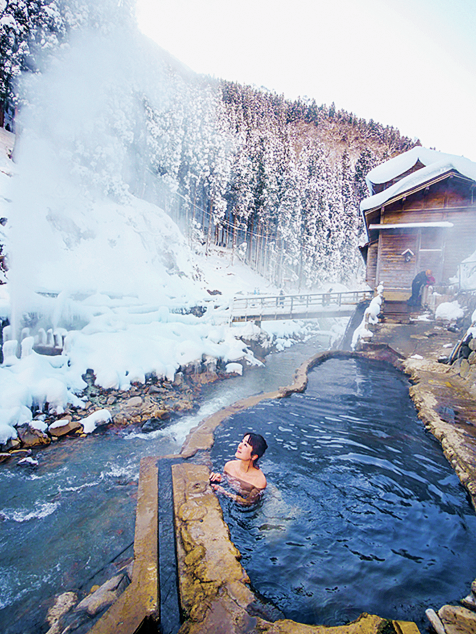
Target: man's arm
250 499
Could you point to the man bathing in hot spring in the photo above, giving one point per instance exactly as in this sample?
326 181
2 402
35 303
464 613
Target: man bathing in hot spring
244 473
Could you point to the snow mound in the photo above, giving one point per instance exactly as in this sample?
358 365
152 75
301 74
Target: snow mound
449 311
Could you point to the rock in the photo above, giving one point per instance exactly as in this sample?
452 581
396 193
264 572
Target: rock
135 401
472 357
31 437
259 343
469 602
63 426
178 379
156 389
12 443
183 405
473 587
204 378
435 621
457 620
160 413
464 368
63 604
121 419
104 596
151 425
472 344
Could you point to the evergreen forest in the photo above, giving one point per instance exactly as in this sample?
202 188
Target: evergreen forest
278 182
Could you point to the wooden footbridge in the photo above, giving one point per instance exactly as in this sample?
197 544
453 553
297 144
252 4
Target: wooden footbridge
303 306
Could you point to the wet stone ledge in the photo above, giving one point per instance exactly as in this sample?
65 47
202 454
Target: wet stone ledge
132 596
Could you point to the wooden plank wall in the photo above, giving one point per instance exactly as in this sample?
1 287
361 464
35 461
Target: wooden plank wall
438 249
431 252
372 253
392 269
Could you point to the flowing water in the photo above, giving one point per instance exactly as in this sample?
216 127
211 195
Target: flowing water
362 512
64 521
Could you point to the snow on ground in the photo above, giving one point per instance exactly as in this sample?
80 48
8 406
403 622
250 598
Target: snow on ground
115 282
449 311
467 272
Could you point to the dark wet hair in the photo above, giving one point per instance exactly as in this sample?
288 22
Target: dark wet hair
258 445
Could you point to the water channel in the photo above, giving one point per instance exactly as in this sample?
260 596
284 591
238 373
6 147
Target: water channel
62 522
362 513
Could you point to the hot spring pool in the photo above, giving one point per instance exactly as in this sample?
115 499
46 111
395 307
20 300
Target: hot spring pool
362 512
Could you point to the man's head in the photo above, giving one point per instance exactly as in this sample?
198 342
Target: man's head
258 443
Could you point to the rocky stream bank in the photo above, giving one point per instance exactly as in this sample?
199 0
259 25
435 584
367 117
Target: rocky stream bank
146 406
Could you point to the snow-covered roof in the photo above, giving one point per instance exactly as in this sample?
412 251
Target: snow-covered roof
413 225
436 164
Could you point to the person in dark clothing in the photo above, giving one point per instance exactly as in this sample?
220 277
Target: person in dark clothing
421 280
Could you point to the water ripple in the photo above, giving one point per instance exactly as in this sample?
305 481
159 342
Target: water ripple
362 510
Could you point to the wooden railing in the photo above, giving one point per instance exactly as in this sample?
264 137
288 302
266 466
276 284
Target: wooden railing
272 307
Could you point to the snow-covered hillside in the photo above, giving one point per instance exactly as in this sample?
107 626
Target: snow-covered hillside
95 263
118 291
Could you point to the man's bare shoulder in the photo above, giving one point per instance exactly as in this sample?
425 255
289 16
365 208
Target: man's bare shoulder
231 467
260 480
256 478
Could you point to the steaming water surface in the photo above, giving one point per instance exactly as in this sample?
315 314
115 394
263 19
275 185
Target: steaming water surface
362 512
62 522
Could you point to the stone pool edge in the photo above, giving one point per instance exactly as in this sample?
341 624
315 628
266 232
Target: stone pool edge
212 601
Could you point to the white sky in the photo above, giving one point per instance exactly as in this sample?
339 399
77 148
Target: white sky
406 63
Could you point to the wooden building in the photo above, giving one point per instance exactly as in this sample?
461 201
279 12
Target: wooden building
421 214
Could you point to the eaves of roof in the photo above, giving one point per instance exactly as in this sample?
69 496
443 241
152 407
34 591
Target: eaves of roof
413 190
